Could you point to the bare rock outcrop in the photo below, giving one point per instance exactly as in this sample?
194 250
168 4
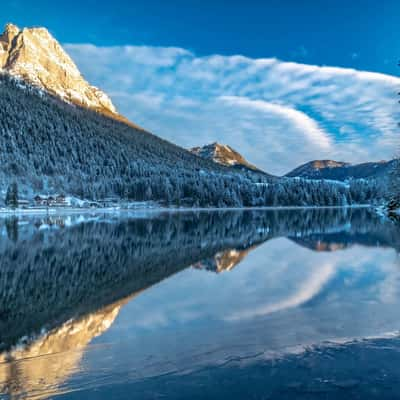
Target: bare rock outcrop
33 55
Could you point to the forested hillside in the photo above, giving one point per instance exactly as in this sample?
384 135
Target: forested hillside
47 145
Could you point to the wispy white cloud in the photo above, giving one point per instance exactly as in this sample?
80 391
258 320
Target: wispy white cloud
278 114
297 119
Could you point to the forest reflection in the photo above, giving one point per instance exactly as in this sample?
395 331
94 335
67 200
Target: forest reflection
64 279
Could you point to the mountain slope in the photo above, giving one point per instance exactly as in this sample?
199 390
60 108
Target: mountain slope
50 145
33 55
340 171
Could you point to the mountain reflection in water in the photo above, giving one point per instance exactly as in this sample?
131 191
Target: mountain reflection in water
63 281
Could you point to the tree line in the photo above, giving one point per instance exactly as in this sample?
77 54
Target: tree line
47 145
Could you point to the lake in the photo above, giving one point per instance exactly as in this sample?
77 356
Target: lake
258 304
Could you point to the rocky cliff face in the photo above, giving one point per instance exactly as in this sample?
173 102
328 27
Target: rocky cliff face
33 55
224 155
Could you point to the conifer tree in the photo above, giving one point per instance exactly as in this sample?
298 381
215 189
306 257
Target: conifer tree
12 196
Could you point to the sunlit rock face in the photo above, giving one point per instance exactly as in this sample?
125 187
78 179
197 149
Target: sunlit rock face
33 55
224 155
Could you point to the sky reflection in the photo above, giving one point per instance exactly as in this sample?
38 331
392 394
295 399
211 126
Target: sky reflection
190 293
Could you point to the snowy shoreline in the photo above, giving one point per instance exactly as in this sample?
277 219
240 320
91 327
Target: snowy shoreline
117 210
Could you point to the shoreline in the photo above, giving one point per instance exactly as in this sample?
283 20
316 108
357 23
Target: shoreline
112 210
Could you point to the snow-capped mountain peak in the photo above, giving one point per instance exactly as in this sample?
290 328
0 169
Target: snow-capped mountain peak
222 154
33 55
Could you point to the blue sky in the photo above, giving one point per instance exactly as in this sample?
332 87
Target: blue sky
250 74
362 34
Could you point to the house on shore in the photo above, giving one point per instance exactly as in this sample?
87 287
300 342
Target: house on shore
23 203
57 200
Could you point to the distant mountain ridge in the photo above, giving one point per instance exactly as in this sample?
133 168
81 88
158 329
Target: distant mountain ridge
342 171
315 170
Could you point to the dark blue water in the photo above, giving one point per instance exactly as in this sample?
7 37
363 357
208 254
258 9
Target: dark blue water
200 305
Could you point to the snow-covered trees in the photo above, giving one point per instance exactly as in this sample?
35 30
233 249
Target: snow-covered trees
396 182
393 206
48 145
